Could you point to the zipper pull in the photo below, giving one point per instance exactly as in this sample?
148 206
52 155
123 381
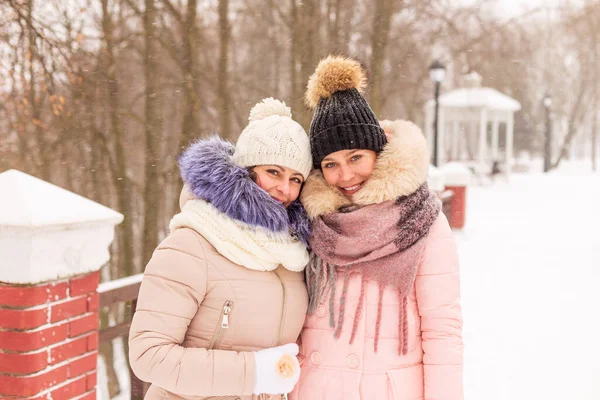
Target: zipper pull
225 320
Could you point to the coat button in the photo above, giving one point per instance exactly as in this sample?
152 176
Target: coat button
315 357
353 361
321 311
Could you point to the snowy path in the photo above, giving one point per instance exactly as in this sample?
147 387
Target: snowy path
530 259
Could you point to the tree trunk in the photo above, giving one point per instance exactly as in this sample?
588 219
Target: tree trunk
152 132
309 39
126 255
379 39
274 30
191 103
577 115
346 29
333 24
43 159
223 76
596 102
296 93
191 123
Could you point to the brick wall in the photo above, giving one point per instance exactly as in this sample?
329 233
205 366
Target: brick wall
49 339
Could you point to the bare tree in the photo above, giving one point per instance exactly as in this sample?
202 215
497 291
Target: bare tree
581 28
575 118
382 20
153 130
122 183
223 70
593 26
307 49
187 27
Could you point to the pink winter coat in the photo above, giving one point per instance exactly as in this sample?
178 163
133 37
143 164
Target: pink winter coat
432 370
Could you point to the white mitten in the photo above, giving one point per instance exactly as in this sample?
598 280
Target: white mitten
267 364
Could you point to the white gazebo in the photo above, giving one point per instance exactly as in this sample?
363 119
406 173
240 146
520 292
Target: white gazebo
463 120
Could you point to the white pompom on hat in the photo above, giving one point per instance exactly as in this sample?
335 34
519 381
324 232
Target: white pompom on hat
273 138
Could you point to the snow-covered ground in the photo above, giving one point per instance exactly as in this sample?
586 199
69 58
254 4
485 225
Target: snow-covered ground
530 259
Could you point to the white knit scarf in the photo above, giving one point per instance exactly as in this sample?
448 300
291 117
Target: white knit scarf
250 246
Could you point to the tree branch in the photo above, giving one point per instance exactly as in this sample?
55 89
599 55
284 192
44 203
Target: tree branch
174 12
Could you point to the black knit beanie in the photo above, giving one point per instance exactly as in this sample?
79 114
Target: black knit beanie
342 120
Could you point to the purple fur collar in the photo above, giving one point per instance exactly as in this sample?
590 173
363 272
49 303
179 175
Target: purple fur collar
210 173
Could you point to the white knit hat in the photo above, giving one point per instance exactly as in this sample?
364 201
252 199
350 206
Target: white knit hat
273 138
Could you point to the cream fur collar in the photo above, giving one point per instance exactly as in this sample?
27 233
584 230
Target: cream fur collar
401 168
253 247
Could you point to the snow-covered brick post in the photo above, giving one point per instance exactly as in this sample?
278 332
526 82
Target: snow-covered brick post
456 178
52 245
437 183
435 180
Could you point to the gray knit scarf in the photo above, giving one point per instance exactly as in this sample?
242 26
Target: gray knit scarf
381 242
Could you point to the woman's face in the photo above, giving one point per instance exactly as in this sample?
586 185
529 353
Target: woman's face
348 170
282 183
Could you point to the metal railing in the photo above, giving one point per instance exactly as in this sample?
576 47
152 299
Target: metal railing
124 290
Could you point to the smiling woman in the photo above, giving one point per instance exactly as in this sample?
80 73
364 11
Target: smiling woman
348 170
223 298
384 319
282 183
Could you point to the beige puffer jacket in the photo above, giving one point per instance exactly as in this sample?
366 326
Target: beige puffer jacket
199 317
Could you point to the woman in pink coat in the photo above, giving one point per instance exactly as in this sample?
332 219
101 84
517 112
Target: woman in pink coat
384 314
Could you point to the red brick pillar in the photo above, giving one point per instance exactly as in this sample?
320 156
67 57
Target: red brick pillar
456 179
52 246
49 339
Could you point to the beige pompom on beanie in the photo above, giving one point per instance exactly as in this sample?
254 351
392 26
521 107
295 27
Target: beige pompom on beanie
273 138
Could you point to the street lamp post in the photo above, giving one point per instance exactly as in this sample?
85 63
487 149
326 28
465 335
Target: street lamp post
437 72
548 143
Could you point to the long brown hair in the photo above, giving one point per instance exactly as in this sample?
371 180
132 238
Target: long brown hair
252 174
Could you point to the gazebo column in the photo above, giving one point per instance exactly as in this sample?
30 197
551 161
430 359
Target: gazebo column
455 139
510 128
441 134
429 128
495 147
483 120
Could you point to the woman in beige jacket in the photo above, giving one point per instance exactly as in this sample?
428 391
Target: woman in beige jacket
223 298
